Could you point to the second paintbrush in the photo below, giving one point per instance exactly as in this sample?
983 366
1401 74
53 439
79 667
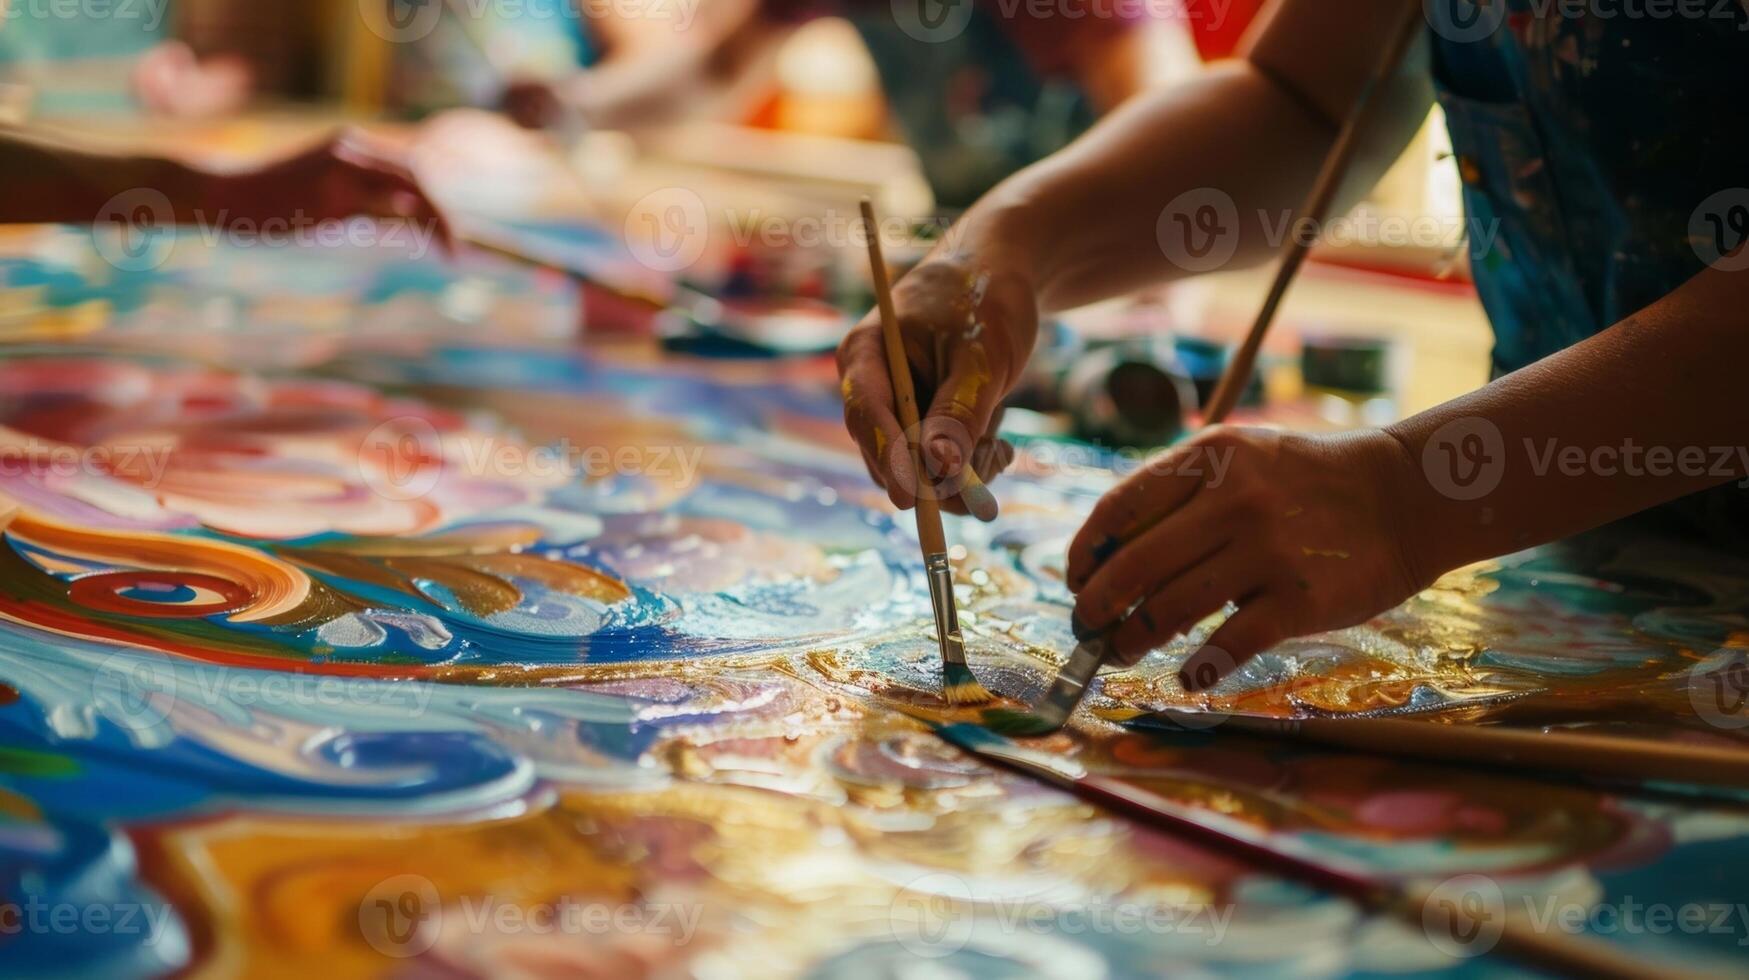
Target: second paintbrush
958 686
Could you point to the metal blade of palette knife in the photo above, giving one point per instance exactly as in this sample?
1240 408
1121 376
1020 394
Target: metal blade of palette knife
1063 698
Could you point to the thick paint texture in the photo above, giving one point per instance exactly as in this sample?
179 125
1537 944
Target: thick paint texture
442 657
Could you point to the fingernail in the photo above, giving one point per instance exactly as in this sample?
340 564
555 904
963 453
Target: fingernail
946 454
979 500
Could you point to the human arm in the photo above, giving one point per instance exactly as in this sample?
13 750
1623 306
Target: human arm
345 175
1307 533
1084 223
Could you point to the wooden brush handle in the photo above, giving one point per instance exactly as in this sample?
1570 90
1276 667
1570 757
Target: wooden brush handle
1238 373
1572 754
904 393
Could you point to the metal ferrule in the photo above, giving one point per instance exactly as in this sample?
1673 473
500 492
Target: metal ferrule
947 619
1071 683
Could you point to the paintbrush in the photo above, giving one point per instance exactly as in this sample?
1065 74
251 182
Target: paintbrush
1607 758
1467 912
958 685
1071 684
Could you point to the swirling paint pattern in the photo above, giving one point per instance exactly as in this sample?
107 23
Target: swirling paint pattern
326 680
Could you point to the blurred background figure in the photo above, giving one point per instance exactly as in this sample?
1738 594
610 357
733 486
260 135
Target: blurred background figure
977 94
188 58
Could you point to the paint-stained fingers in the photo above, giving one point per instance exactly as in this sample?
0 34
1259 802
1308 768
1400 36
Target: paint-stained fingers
1179 604
1262 621
968 493
963 408
1129 509
868 413
1178 544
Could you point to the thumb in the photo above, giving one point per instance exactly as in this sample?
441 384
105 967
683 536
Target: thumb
959 415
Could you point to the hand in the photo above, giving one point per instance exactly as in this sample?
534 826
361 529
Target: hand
171 80
1303 532
968 332
348 175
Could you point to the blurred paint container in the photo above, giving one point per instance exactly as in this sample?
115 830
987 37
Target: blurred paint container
1349 378
1205 361
1128 395
1040 388
754 328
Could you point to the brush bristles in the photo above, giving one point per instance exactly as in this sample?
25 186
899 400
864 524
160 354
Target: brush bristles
960 689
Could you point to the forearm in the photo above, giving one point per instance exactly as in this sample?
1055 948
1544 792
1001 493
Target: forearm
1124 206
1645 412
1087 219
51 181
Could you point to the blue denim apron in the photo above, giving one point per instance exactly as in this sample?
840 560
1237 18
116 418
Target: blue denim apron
1605 162
1586 145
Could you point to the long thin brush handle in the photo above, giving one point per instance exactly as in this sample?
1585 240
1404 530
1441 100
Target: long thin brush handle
929 530
1324 189
1552 950
1595 756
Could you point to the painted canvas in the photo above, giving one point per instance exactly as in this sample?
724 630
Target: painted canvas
399 638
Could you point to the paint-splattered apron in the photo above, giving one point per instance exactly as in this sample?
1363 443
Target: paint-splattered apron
1605 161
1592 141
